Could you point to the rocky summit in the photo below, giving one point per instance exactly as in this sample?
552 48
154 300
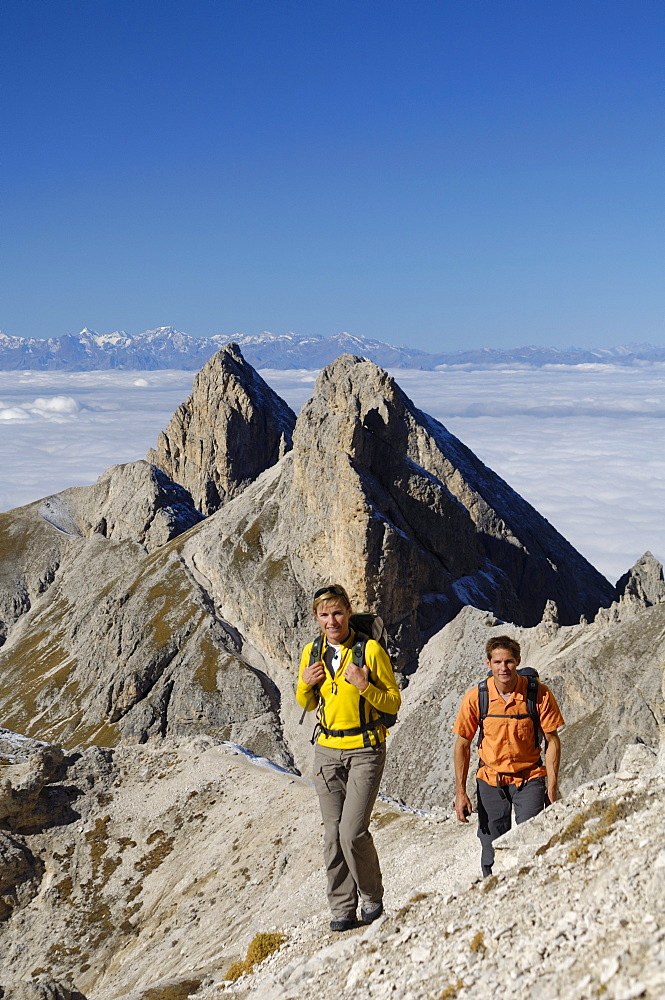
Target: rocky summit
159 836
378 496
232 427
129 617
644 582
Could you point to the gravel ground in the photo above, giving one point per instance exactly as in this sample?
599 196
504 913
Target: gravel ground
585 917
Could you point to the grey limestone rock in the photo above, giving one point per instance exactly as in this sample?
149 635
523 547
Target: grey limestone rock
134 501
23 777
30 554
40 989
152 862
126 646
232 427
20 875
643 582
381 498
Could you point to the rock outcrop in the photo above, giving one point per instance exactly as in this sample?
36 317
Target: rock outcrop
135 501
41 988
381 498
30 553
126 646
643 583
128 502
27 767
232 427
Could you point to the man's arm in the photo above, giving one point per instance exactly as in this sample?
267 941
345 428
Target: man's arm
462 758
552 759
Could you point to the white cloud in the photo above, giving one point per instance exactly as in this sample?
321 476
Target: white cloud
585 446
54 404
13 413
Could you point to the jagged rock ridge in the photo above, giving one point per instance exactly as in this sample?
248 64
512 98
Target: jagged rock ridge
135 501
232 427
379 497
202 633
643 582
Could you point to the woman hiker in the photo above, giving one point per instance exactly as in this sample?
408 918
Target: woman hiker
349 754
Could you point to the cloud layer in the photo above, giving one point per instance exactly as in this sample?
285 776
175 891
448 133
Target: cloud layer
585 446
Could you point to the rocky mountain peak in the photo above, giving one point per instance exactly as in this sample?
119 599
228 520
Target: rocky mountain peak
643 582
364 401
469 524
232 427
378 496
133 501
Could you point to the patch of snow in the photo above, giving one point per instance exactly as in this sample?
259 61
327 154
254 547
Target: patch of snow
256 759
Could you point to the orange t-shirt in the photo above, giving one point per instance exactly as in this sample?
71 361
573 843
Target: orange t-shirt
508 754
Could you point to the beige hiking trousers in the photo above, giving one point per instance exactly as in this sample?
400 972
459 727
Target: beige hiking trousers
347 783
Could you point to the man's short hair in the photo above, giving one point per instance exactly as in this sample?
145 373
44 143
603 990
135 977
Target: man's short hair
503 642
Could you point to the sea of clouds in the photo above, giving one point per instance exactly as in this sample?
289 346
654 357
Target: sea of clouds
584 445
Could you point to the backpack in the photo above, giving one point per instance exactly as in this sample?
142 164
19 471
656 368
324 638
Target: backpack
531 704
367 626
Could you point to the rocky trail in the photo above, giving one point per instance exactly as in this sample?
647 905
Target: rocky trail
575 910
163 862
147 871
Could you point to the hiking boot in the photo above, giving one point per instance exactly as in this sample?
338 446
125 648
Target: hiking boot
343 924
372 913
487 871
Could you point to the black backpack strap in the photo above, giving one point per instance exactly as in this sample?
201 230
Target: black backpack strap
314 657
532 708
315 651
358 649
358 659
385 719
366 727
483 706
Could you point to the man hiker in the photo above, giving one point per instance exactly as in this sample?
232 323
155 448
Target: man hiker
511 710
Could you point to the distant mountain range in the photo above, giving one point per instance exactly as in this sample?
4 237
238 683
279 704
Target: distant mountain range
168 348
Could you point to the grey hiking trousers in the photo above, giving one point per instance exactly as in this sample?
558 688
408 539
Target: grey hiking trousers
347 783
495 804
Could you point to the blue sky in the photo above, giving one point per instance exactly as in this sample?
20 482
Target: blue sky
440 174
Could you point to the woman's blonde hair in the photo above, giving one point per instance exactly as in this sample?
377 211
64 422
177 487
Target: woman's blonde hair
333 592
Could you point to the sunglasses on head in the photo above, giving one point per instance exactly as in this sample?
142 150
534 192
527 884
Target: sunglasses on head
337 591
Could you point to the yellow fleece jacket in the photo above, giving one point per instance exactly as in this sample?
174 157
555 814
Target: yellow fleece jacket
339 701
